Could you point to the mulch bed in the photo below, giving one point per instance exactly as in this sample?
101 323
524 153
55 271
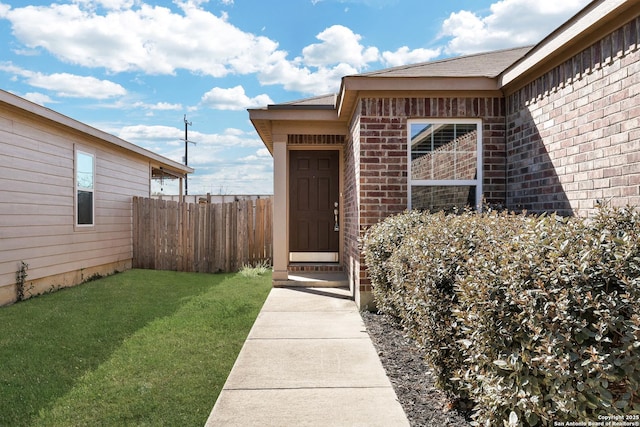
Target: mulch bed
412 380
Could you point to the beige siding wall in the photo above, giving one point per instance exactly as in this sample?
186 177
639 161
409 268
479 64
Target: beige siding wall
37 204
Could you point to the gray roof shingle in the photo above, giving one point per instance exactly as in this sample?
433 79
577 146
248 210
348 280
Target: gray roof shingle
488 64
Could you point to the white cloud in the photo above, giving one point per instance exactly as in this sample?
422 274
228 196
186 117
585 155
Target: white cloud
107 4
144 133
303 79
138 38
68 85
263 152
38 98
233 99
243 176
260 154
230 138
231 162
339 45
404 56
172 136
130 35
72 86
510 23
158 106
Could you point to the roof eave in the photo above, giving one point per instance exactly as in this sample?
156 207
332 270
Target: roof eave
263 127
263 118
29 107
353 87
585 28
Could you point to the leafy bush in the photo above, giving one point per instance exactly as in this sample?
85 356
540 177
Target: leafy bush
382 241
422 273
536 319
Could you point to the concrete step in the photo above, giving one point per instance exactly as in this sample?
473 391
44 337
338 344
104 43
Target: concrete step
323 279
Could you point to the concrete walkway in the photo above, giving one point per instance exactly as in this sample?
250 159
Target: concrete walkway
308 361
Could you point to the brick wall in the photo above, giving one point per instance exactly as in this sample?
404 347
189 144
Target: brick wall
378 146
351 222
573 134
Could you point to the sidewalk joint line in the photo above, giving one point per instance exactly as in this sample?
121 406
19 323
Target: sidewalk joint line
362 387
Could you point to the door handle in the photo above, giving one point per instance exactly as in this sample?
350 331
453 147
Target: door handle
336 226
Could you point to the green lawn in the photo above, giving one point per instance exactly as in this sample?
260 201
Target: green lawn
138 348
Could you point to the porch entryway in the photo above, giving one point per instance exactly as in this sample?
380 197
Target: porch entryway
314 220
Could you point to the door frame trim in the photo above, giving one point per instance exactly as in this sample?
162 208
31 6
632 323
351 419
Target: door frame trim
336 257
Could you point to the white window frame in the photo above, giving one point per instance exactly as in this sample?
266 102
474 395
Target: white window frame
448 182
77 188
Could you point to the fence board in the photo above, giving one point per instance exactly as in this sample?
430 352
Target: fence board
226 208
205 237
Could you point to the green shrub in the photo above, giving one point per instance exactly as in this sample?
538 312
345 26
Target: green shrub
380 243
536 319
422 272
551 320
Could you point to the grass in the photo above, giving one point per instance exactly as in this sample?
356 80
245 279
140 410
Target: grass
138 348
255 270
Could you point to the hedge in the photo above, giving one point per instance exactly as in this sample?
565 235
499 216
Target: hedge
534 318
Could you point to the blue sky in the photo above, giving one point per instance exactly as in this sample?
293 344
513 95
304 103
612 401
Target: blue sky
134 68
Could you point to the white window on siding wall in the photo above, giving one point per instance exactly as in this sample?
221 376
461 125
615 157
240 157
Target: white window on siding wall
85 182
444 163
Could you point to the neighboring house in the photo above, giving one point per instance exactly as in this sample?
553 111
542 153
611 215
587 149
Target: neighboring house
553 127
66 192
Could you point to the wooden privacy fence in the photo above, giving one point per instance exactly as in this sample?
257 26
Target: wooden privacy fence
203 237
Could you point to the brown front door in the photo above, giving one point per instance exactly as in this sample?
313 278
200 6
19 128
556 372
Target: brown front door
314 193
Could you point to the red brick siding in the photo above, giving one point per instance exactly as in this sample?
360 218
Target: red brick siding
378 147
351 222
574 133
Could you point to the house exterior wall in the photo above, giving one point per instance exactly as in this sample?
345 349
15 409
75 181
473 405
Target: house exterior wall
352 259
573 134
37 205
378 146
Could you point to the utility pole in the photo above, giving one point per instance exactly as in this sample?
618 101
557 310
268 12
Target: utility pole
186 152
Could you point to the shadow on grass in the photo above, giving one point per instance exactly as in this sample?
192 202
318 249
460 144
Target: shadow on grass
48 343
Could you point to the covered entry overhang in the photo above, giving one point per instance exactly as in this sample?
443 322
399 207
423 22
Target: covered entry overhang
176 171
306 140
